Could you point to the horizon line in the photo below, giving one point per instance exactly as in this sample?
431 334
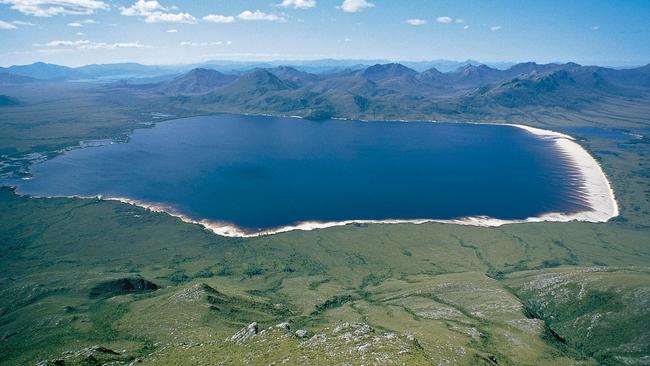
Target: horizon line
363 61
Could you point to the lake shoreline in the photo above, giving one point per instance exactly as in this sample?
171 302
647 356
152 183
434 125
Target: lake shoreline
596 190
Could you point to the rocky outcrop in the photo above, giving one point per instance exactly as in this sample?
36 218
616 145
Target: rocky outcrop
343 343
122 286
245 333
97 354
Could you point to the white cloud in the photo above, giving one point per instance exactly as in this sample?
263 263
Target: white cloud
298 4
143 8
154 12
444 20
48 8
6 25
595 27
216 18
12 25
258 15
204 44
172 30
89 45
353 6
80 34
170 18
64 43
496 27
416 21
120 45
20 22
81 23
466 27
459 21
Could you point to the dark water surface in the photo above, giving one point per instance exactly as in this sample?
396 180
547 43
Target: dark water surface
264 172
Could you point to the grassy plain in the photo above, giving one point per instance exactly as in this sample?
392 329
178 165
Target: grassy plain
525 294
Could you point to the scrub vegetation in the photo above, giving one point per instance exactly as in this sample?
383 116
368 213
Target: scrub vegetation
88 281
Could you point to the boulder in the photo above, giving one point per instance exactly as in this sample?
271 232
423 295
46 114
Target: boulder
301 333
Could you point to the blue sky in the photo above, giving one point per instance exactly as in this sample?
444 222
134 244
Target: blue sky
76 32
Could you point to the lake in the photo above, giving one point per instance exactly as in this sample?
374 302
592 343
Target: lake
258 172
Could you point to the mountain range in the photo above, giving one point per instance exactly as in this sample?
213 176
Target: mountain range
98 72
387 89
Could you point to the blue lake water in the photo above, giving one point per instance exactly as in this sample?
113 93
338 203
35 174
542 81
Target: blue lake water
265 172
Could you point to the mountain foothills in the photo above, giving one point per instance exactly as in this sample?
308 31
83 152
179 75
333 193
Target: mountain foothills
91 281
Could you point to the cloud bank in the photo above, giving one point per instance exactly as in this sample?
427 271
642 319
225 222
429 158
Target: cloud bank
90 45
257 15
353 6
216 18
154 12
49 8
298 4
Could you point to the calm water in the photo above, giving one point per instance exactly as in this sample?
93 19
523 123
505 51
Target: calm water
263 172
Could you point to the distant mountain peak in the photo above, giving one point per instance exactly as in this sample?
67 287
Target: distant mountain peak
469 69
198 80
286 68
257 81
386 71
260 75
431 72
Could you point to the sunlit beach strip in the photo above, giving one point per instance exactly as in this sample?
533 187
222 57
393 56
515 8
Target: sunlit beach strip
597 189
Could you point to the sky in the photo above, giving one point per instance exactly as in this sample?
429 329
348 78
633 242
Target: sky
79 32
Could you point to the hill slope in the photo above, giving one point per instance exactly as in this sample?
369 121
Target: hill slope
194 82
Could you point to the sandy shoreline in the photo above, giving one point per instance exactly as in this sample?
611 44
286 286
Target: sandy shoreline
596 190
